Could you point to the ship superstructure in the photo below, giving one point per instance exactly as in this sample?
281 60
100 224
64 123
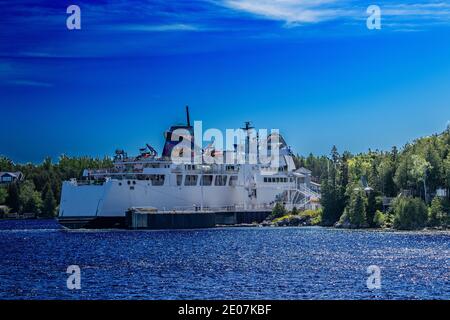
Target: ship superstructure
164 185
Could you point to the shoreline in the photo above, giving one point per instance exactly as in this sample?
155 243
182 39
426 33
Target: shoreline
266 226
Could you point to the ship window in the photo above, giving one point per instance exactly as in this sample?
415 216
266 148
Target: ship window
190 180
221 180
157 179
206 180
233 180
265 179
179 180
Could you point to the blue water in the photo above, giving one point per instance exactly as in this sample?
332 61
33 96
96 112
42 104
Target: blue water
234 263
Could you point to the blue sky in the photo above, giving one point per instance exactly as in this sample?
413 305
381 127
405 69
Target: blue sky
310 68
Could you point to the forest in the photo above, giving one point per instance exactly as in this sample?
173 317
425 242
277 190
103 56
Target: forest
40 191
402 189
406 188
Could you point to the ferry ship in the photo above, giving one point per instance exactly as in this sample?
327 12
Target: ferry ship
157 184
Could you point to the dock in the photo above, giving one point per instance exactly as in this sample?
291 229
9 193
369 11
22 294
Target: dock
143 218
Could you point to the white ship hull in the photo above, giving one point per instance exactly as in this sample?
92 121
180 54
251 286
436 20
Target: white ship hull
113 198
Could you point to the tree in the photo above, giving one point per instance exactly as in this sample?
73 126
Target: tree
435 169
447 172
374 204
419 171
3 195
278 211
49 205
409 213
386 172
331 199
12 200
436 214
356 210
379 219
30 199
6 164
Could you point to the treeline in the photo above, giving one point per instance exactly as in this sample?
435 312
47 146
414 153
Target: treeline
407 189
40 191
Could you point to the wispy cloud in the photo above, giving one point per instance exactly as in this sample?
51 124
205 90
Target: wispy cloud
301 12
440 9
117 27
29 83
158 28
289 11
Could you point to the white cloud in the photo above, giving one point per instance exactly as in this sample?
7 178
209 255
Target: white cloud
29 83
158 28
440 9
290 11
295 12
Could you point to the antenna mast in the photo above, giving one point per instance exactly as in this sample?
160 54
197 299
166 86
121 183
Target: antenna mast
188 118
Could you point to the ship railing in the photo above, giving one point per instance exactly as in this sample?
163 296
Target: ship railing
233 208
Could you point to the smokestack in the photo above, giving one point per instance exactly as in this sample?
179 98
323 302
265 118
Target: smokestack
187 117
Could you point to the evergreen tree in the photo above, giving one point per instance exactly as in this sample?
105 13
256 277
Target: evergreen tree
30 199
373 205
356 211
3 195
49 205
436 214
12 200
331 199
409 213
386 171
278 211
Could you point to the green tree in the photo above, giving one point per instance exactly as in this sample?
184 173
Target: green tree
356 209
3 195
6 164
333 196
419 171
49 204
436 214
409 213
435 170
386 171
278 211
12 200
379 219
331 199
446 169
374 203
30 199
